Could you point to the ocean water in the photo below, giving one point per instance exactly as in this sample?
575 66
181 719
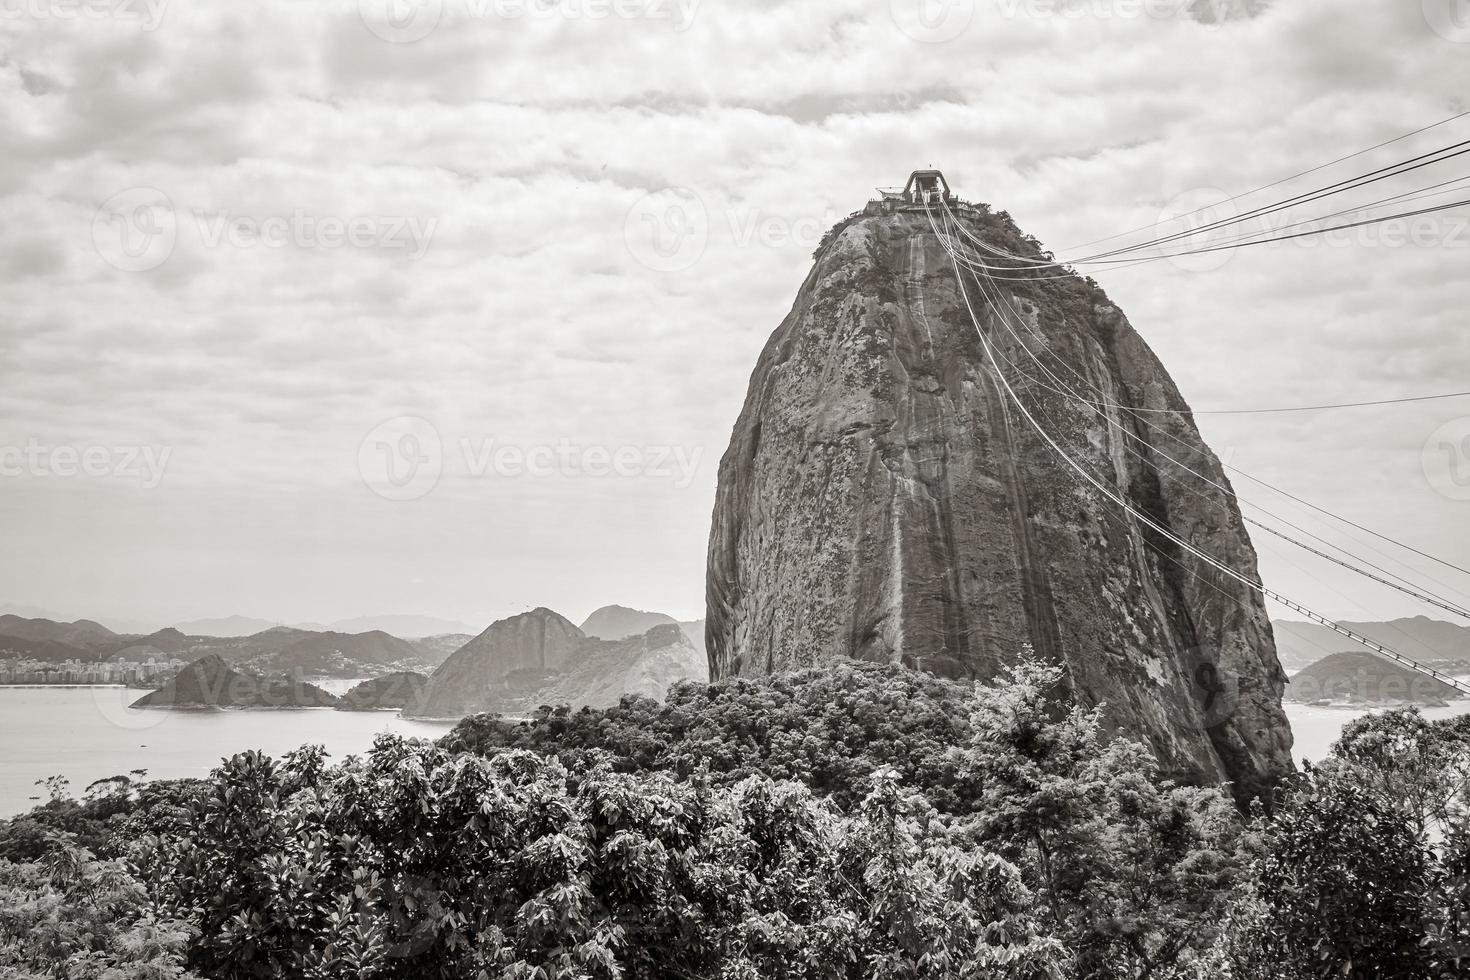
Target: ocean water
90 733
1315 729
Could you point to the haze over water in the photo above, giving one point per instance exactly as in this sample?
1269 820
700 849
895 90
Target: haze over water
89 733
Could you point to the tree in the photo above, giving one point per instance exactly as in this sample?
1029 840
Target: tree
831 728
73 916
416 862
1134 872
1422 766
1343 885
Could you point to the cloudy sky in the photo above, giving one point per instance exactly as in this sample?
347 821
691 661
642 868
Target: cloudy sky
312 310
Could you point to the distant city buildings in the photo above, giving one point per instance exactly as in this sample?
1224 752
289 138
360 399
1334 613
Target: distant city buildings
140 673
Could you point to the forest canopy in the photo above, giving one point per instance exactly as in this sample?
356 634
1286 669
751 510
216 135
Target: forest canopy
857 822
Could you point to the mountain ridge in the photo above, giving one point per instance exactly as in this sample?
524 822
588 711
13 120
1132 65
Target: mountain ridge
1434 642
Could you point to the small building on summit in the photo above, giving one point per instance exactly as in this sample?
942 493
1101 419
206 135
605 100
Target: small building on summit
926 185
923 188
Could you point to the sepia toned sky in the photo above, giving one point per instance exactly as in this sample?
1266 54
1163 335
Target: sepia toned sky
310 311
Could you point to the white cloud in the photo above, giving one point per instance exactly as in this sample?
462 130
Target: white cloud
519 145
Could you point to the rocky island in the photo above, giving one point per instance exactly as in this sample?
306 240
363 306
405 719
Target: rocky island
210 683
393 691
1357 678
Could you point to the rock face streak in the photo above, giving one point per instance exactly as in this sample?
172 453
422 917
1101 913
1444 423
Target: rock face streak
881 499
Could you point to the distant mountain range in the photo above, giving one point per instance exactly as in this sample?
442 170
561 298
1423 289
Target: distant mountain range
541 658
82 634
53 651
275 650
407 627
1432 642
346 650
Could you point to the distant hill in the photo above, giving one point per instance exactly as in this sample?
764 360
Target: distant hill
210 683
607 670
228 626
285 649
1359 677
81 633
540 658
332 654
28 612
238 649
165 641
391 691
694 629
1429 641
47 650
434 650
541 641
620 622
407 627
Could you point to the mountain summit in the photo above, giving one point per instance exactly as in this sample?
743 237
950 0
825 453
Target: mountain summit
620 622
881 500
539 657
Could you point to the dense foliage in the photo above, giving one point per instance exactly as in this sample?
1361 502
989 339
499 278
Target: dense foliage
109 814
1362 872
830 729
853 823
415 862
71 915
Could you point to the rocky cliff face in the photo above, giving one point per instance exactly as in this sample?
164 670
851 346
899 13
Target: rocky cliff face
881 500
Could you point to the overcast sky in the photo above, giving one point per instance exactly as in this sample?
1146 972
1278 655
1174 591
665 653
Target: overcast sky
309 311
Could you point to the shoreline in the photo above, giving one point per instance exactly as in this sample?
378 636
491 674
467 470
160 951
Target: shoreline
1376 705
42 687
232 707
518 719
